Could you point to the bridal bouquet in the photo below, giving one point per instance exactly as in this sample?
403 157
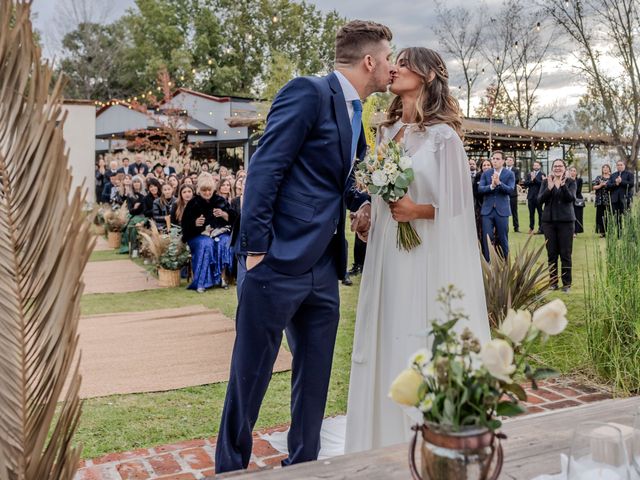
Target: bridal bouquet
388 173
461 383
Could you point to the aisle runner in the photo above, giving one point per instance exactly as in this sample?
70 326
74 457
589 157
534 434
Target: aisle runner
157 351
117 276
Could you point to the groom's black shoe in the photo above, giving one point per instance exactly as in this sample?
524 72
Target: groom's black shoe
347 281
355 270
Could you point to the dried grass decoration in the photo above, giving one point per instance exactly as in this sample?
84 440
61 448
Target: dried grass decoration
167 251
45 243
115 222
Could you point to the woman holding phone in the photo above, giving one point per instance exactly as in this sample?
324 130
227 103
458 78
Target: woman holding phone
558 195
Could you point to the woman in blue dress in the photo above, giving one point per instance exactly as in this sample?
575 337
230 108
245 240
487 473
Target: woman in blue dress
205 224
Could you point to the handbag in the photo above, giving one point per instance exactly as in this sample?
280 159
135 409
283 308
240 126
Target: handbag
579 202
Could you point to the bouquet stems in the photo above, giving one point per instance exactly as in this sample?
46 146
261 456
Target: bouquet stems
407 238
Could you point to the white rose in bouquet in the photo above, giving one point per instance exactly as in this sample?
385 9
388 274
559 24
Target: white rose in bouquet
497 357
516 325
551 318
404 163
379 179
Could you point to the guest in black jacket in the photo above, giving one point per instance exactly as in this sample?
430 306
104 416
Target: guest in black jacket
138 167
135 204
558 195
603 199
153 192
162 208
620 186
578 206
513 198
532 184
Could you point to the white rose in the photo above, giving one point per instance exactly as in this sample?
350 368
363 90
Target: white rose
516 325
379 179
497 357
551 318
404 163
404 389
427 403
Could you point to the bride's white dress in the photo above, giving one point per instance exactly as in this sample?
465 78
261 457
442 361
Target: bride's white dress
398 291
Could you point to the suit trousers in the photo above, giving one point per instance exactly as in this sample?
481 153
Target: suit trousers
514 213
359 251
305 306
534 207
559 237
496 228
619 208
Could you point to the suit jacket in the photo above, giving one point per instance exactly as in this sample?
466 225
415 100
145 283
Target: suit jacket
533 186
558 202
516 174
134 168
300 180
499 197
623 192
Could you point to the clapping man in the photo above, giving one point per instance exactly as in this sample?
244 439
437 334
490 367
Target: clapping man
497 185
620 185
532 183
513 198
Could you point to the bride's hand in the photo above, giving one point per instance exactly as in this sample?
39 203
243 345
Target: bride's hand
403 210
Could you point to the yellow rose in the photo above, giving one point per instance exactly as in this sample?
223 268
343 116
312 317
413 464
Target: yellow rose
404 389
516 325
551 318
497 357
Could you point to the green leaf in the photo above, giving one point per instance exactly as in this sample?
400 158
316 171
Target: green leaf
494 424
408 173
374 189
402 181
517 390
509 409
399 192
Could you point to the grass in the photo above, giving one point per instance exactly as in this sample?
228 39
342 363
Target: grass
125 422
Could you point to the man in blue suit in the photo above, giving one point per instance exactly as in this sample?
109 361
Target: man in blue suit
291 242
496 184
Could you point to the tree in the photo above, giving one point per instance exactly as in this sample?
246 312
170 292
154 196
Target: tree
603 30
459 33
495 104
515 49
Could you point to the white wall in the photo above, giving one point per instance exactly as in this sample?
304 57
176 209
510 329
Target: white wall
79 133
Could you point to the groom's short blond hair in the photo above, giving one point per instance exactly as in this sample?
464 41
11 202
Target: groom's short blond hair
358 38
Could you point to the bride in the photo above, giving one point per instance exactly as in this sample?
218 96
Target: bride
398 291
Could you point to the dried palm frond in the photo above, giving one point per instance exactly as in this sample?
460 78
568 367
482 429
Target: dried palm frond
44 246
520 281
116 220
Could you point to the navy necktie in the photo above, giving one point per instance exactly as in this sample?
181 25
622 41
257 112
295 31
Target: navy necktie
356 126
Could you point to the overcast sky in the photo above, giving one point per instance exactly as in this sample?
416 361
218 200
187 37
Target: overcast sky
410 21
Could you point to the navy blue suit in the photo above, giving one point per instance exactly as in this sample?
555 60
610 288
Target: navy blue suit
496 209
299 184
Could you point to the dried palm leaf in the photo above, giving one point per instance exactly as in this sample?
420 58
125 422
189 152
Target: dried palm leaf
519 281
44 246
153 242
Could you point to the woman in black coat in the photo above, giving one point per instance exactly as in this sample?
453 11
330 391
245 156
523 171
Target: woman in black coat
558 195
578 206
603 199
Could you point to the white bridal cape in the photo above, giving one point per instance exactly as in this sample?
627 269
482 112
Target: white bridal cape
398 292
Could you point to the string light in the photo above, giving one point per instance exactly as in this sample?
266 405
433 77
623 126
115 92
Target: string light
538 26
275 19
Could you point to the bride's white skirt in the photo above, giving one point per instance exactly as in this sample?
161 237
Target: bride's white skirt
331 438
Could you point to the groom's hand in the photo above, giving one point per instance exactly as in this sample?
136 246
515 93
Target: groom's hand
253 260
361 222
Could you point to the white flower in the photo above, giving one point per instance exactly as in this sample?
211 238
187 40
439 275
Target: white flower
497 357
390 169
379 179
429 370
516 325
404 163
420 358
427 403
551 318
404 389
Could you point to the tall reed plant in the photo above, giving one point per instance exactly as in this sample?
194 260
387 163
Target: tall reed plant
613 305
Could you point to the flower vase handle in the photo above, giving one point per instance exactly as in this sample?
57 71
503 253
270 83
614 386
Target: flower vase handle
499 461
412 454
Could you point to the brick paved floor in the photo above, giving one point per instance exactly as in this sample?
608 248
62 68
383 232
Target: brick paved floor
193 459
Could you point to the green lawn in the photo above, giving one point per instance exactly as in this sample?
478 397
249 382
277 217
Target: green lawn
125 422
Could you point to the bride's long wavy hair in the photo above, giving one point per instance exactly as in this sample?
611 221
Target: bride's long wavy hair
434 104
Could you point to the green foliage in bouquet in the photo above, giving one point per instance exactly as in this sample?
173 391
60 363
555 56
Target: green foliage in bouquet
116 220
613 305
460 383
519 281
166 250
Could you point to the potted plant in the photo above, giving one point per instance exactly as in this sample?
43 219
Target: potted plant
462 388
115 221
167 251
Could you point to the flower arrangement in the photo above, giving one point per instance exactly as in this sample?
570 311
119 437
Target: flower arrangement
388 173
461 383
116 220
166 250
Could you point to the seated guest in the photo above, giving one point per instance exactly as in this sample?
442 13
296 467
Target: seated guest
138 167
153 193
117 196
174 182
185 194
135 204
162 207
108 175
168 169
158 171
206 216
224 189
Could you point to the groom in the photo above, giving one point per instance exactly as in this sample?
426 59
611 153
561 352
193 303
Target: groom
300 183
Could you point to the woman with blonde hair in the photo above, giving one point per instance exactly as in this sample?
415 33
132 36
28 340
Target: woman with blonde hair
399 288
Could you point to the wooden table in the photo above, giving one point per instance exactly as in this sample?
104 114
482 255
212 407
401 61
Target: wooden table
533 448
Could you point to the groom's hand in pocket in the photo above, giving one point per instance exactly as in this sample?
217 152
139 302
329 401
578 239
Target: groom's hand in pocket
253 261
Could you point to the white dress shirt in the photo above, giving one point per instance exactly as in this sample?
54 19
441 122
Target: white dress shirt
349 92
